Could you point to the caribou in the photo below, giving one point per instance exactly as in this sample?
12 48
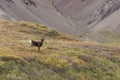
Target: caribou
37 44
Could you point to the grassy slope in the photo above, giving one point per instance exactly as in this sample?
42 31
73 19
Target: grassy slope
60 58
105 36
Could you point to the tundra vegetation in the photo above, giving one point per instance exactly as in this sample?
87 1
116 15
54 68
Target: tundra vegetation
62 57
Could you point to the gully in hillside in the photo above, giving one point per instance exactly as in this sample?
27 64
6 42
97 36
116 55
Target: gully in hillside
29 2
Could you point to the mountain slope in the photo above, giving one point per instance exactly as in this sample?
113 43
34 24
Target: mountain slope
36 12
61 57
76 17
92 16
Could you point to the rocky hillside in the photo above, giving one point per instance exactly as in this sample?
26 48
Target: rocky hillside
69 16
38 11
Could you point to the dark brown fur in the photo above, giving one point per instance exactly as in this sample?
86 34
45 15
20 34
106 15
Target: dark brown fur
37 44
